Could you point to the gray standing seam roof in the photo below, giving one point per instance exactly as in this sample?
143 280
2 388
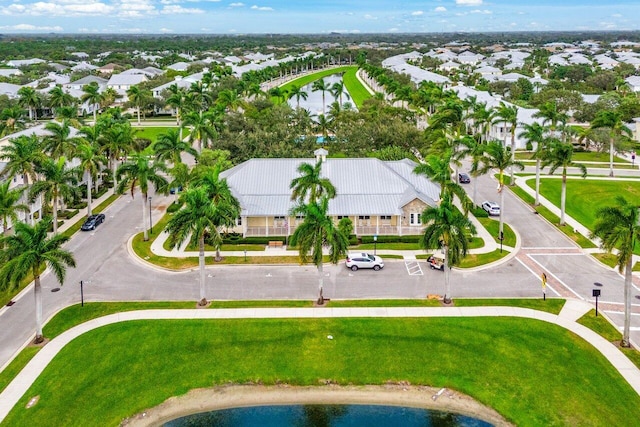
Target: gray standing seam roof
366 186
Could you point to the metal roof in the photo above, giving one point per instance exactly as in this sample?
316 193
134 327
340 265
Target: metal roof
366 186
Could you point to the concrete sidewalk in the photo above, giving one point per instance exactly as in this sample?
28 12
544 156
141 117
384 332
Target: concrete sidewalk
572 310
68 223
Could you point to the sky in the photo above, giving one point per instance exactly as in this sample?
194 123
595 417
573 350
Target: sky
314 16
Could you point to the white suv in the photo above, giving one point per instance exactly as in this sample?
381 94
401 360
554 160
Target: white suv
492 208
364 260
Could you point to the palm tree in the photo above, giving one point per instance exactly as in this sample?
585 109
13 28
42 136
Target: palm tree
202 127
140 171
475 149
508 114
297 92
12 119
337 91
278 93
58 98
9 206
26 253
534 133
200 216
59 143
22 155
317 231
438 169
30 99
91 162
116 141
229 100
92 95
497 156
169 146
177 99
618 227
227 206
58 181
310 184
138 97
447 228
559 155
613 121
550 114
322 86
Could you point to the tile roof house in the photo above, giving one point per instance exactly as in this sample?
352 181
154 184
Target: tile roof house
380 197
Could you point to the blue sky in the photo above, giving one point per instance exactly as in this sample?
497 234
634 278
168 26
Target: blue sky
314 16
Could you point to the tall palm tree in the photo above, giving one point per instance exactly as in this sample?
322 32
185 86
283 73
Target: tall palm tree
92 95
322 86
297 92
474 148
497 156
177 99
618 227
200 216
59 142
30 99
278 93
12 119
91 162
316 232
139 171
116 141
59 98
26 253
23 155
169 146
138 97
438 169
447 228
613 121
58 182
337 91
560 155
310 185
10 206
508 114
202 127
534 133
550 114
229 99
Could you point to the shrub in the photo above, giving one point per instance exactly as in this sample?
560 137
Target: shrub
392 239
174 207
479 212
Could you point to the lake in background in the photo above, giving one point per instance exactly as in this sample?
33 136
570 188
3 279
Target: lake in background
325 416
313 103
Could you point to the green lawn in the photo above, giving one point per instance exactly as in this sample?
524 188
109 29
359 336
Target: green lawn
358 92
531 372
586 196
152 133
310 78
493 227
579 156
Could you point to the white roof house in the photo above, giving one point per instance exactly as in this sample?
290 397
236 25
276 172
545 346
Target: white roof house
7 72
78 84
24 62
634 83
262 188
399 64
179 66
9 89
122 82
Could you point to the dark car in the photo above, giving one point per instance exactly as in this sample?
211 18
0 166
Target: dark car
463 178
92 222
175 190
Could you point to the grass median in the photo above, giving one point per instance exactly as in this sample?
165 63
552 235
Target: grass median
531 372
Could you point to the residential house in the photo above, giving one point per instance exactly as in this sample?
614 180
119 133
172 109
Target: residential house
8 72
122 82
24 62
380 197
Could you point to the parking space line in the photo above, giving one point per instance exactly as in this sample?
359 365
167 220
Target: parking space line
413 268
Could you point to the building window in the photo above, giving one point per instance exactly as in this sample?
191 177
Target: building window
239 220
364 217
415 219
385 217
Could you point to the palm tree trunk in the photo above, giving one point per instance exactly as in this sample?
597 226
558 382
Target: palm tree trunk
320 284
513 157
89 185
95 113
55 213
627 303
37 293
563 195
447 277
611 157
113 169
138 115
203 298
144 217
537 202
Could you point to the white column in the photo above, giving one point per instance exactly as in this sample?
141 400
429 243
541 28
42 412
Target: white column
266 225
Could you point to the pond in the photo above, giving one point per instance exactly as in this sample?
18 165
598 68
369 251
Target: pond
325 416
313 103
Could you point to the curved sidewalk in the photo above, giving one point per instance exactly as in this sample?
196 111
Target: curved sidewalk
572 310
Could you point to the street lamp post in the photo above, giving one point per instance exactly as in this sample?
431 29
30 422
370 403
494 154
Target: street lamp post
150 223
596 293
501 239
375 244
81 294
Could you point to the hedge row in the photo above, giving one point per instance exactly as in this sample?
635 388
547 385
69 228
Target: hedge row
391 239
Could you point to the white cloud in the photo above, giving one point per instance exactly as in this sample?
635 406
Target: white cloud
483 12
617 15
166 30
469 2
440 9
393 30
236 5
176 9
263 8
370 17
29 27
417 13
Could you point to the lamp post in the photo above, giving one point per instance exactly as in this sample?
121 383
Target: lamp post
501 239
596 293
375 244
81 294
245 255
150 223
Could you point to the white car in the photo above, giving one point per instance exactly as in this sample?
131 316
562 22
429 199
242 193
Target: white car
492 208
364 260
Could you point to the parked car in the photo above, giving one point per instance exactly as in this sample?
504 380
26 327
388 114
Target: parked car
463 178
175 190
492 208
364 260
436 263
92 222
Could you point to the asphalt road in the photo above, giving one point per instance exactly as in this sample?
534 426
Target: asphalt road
109 273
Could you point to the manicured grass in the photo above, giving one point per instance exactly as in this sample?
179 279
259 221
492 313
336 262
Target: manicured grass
16 365
606 259
152 133
579 156
475 243
475 260
358 92
493 227
309 78
580 240
139 364
609 332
